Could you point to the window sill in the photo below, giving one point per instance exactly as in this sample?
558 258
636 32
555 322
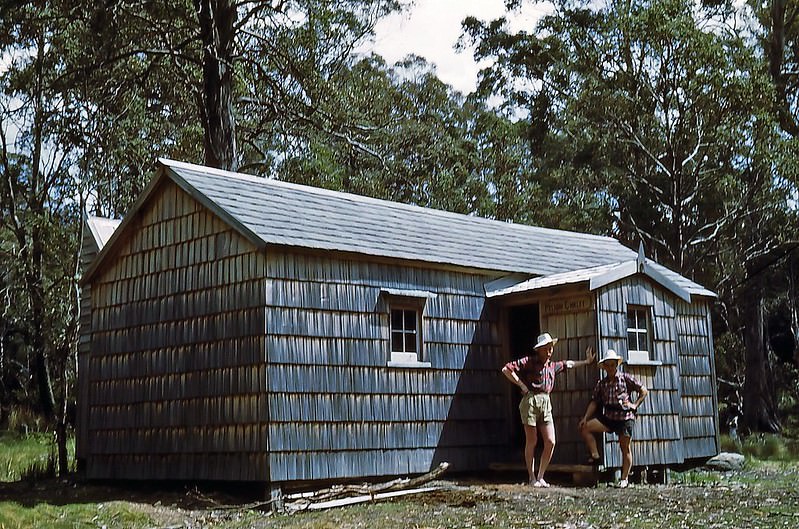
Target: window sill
412 365
644 363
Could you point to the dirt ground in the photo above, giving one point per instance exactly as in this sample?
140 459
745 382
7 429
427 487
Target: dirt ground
765 497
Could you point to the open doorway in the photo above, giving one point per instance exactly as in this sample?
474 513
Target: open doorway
524 326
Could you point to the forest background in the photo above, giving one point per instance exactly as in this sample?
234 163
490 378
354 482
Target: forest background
668 122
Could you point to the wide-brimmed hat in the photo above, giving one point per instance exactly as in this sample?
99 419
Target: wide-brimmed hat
545 339
609 355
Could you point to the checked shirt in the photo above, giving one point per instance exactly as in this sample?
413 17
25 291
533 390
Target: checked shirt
539 377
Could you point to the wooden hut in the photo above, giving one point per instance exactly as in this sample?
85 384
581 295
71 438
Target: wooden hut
252 330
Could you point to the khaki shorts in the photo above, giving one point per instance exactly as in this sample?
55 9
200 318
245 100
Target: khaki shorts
536 407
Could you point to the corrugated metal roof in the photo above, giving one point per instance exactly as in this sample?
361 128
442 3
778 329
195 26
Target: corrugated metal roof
281 213
586 274
564 278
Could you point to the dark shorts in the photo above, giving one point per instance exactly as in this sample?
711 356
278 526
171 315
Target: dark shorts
620 428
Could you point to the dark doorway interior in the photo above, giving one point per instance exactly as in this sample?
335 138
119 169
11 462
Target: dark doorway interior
524 327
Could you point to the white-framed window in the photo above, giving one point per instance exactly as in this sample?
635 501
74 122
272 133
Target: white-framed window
405 334
639 343
405 327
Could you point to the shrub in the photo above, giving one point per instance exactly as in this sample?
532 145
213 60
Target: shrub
770 447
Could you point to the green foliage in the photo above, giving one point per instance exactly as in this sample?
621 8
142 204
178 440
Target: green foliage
23 420
728 444
27 457
770 447
645 104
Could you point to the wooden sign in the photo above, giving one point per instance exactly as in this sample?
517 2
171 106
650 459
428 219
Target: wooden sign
567 305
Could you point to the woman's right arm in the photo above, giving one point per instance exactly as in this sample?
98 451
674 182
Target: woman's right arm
511 375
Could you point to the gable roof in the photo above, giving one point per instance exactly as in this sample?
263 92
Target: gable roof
599 276
270 212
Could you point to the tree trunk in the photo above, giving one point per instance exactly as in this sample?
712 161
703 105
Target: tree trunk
759 410
775 50
217 19
34 263
793 301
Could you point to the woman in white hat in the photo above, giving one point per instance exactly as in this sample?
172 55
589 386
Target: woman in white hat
612 410
535 376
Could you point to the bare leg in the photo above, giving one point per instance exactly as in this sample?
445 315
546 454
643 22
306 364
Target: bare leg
548 434
626 456
530 440
587 432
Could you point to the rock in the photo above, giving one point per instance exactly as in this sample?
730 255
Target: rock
726 461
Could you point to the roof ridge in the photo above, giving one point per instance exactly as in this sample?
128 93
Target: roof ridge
266 181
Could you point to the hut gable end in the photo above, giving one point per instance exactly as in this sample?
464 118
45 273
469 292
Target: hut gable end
176 371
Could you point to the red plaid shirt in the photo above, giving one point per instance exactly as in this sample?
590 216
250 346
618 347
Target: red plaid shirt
613 394
539 377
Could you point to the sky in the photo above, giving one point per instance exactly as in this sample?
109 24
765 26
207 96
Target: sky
431 28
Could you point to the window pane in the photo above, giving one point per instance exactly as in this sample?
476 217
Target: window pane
632 341
410 343
396 320
410 320
396 341
631 319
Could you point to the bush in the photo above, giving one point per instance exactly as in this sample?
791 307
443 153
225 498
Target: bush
23 420
728 444
770 447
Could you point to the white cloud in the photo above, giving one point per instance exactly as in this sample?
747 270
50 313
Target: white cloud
431 28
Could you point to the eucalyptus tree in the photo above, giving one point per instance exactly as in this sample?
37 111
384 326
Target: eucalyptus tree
779 38
417 144
214 64
40 204
432 146
652 103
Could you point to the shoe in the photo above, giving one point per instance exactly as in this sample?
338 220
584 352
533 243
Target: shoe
541 484
623 484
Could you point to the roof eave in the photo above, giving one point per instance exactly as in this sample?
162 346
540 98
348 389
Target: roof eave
157 178
631 268
222 213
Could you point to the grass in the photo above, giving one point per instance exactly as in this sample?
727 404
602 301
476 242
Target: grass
114 514
765 447
762 495
27 456
31 458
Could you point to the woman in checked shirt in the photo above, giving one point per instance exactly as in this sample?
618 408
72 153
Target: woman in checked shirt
612 410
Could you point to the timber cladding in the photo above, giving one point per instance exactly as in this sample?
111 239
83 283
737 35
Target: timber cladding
212 359
698 379
338 410
678 420
572 319
657 430
176 375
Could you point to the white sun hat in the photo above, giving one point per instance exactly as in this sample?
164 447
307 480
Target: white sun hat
545 339
611 355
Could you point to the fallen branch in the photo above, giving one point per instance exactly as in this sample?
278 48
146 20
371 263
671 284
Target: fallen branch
307 500
357 499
